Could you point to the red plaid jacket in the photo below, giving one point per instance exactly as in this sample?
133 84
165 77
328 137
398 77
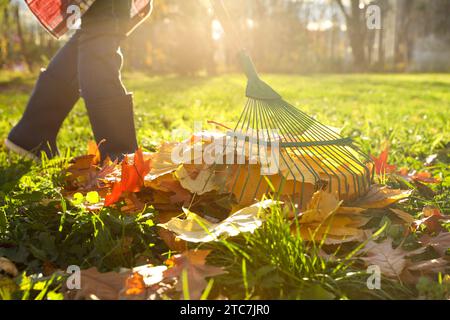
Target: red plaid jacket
53 15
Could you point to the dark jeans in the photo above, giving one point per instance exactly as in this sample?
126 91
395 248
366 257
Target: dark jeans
91 61
88 66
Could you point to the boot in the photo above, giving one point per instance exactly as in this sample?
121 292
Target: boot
47 108
113 126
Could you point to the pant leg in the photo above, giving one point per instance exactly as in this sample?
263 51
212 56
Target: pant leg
54 95
109 105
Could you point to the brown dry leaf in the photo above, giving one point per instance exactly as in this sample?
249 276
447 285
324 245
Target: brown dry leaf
321 206
391 261
429 211
96 285
380 196
169 238
204 181
94 150
417 269
81 171
194 264
350 210
132 204
162 163
168 183
49 268
432 220
440 243
405 216
432 224
172 241
134 284
335 230
428 266
7 266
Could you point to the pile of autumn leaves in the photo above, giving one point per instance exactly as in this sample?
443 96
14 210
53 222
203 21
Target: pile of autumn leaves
185 215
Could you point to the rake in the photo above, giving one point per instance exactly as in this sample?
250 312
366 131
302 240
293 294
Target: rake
303 154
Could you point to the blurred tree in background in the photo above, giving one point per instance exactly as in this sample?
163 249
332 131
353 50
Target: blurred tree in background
288 36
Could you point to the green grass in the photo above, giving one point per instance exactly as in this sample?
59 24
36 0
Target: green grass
271 263
410 112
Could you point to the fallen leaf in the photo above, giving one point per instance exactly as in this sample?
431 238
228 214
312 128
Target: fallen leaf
431 221
417 176
93 149
381 163
197 229
428 266
380 196
162 163
335 230
429 211
7 266
179 194
193 262
134 285
325 220
425 177
440 243
132 203
321 206
405 216
203 182
172 241
96 285
81 172
391 261
151 275
132 177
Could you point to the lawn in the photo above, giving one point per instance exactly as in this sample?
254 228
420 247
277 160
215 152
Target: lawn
407 112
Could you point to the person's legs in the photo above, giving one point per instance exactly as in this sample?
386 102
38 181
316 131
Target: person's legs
109 105
54 95
91 63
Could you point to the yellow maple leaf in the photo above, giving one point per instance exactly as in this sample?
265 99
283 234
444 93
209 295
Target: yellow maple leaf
326 220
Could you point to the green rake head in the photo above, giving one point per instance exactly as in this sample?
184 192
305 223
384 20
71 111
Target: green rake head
306 154
283 151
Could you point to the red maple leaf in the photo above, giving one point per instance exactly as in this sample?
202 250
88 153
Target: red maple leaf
132 178
381 163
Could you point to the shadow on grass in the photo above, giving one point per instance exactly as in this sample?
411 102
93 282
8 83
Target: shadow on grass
11 171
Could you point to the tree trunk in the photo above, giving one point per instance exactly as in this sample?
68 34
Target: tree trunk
23 44
356 29
381 52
